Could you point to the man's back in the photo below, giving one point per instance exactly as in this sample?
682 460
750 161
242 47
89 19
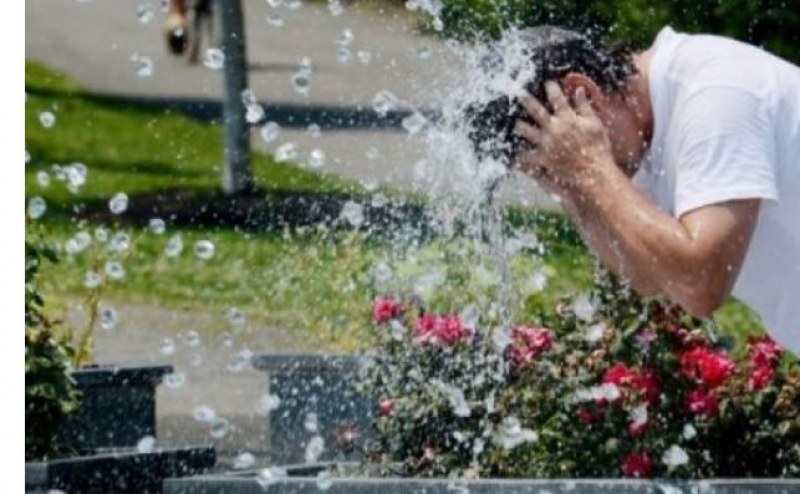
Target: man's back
727 127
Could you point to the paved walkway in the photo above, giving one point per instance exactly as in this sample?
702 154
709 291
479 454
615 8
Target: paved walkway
93 41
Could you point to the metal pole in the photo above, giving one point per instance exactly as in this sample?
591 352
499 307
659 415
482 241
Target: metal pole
237 175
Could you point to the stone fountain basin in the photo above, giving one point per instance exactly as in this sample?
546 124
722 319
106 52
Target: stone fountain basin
303 480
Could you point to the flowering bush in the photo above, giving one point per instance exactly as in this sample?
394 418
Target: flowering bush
605 385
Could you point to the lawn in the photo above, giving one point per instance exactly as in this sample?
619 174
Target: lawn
318 282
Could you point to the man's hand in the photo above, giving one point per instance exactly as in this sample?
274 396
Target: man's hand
569 144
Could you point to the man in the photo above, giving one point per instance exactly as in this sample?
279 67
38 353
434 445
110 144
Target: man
680 164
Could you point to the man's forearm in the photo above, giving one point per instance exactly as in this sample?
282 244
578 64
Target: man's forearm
636 239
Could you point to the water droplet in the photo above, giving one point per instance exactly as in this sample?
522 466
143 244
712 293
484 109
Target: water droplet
119 203
78 243
236 316
346 38
219 428
275 20
43 179
267 404
414 123
174 380
91 279
143 66
583 307
314 130
174 246
240 361
365 56
76 176
675 456
286 152
335 8
204 413
192 338
196 360
384 102
167 346
269 132
301 81
101 234
314 449
36 208
316 159
146 444
353 213
227 339
274 3
343 54
244 460
214 59
120 242
145 13
310 422
424 53
324 480
255 114
47 119
115 270
157 226
269 476
204 249
293 4
108 318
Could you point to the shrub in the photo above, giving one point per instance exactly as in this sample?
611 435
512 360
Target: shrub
608 384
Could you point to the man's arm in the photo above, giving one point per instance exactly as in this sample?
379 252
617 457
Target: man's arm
694 259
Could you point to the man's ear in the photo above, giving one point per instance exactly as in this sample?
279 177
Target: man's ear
574 80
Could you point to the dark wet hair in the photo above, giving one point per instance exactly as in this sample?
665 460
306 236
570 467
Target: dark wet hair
555 52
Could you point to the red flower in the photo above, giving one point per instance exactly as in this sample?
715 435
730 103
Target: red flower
763 351
441 329
386 407
759 377
529 343
702 402
385 309
627 377
710 367
585 415
637 465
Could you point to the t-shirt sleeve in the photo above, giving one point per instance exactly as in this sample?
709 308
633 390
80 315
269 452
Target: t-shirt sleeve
725 149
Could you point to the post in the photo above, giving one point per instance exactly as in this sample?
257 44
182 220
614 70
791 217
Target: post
237 174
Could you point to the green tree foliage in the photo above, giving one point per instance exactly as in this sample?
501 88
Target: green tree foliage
772 24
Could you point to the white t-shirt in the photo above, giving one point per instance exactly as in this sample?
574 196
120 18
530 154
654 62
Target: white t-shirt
727 126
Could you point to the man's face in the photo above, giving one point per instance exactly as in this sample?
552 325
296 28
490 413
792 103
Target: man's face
625 114
622 119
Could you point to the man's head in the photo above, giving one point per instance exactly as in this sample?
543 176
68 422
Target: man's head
575 61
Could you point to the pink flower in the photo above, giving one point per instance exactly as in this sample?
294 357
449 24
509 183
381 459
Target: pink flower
759 377
763 351
386 407
529 343
636 429
385 309
637 465
646 336
710 367
441 329
702 402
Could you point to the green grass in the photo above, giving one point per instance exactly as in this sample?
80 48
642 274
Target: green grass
317 283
